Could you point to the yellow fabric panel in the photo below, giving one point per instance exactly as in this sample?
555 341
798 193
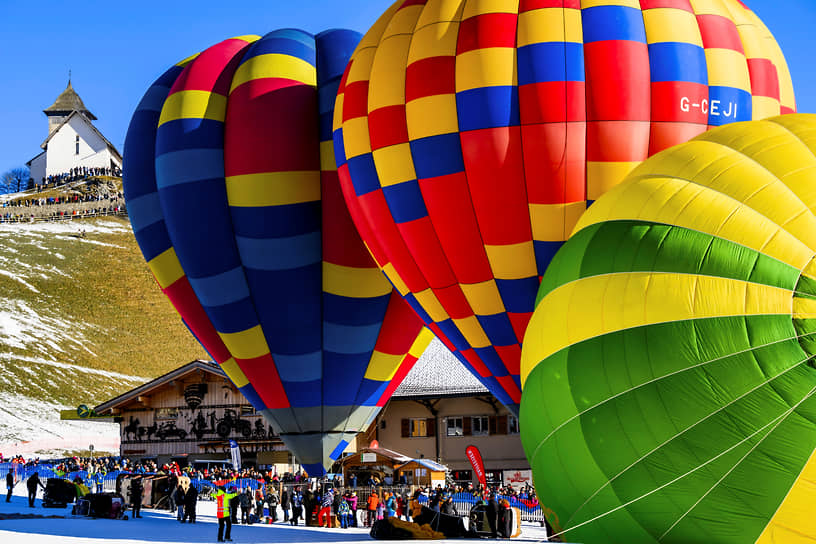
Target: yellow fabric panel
327 162
427 299
602 176
166 268
484 297
436 40
685 204
671 25
360 68
512 261
480 7
395 279
355 137
488 67
763 107
431 116
387 84
627 3
275 65
193 105
234 372
382 366
395 164
249 38
372 37
794 522
554 222
348 281
710 7
437 11
626 300
472 330
550 25
810 269
804 308
337 116
803 124
403 22
421 342
246 344
273 188
188 60
727 68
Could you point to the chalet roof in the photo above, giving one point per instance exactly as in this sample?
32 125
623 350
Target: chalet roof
189 368
87 119
427 463
67 102
394 456
439 374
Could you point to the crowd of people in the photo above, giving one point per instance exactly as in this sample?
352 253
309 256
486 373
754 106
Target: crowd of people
78 173
69 199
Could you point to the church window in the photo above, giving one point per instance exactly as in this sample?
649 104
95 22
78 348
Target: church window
77 145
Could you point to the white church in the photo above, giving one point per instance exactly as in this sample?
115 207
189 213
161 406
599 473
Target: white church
73 140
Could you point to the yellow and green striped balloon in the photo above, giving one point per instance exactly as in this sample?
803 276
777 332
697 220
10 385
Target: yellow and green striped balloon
668 370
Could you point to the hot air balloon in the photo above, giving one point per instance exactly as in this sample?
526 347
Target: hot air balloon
471 135
668 369
234 199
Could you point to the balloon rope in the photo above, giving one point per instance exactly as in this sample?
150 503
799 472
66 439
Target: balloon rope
720 409
747 438
658 378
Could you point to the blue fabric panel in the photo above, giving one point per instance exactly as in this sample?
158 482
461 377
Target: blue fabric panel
602 23
405 201
341 377
550 61
674 61
287 220
339 149
185 134
191 165
363 174
354 311
370 392
303 394
307 367
544 253
338 451
280 253
488 107
153 100
295 34
275 43
153 240
350 340
498 329
492 361
139 175
728 105
334 49
325 127
252 396
225 288
235 317
448 328
437 155
144 211
314 470
518 296
326 96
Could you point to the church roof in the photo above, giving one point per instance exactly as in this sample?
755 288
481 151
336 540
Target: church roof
67 102
65 121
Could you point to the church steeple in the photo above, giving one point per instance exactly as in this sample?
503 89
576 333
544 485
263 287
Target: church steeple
66 103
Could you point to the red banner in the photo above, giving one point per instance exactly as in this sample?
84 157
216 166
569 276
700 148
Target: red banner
475 458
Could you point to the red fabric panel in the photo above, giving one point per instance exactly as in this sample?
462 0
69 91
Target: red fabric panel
785 109
387 126
430 77
510 386
675 101
685 5
263 375
764 78
494 166
552 101
617 141
519 322
407 3
555 162
403 370
453 300
487 30
423 244
530 5
719 33
618 79
666 135
355 100
341 242
184 300
400 327
511 355
446 198
358 217
286 116
444 339
477 364
212 70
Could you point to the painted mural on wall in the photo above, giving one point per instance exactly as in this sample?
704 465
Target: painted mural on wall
195 424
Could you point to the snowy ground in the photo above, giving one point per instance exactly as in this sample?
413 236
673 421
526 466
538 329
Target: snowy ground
159 526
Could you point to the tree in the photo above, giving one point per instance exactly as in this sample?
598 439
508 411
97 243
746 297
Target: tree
15 180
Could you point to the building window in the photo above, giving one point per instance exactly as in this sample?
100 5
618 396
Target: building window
479 424
167 413
454 426
419 427
77 145
512 425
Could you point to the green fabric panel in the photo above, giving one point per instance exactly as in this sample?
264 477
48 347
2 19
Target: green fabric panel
806 287
637 438
638 246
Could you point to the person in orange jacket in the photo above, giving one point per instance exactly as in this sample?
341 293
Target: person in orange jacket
371 507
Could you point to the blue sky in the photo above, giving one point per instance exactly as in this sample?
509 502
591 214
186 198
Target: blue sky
116 49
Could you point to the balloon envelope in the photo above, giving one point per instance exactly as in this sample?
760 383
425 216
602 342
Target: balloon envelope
471 135
668 368
235 202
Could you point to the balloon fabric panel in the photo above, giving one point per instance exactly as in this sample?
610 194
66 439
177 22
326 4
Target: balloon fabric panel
668 368
470 137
